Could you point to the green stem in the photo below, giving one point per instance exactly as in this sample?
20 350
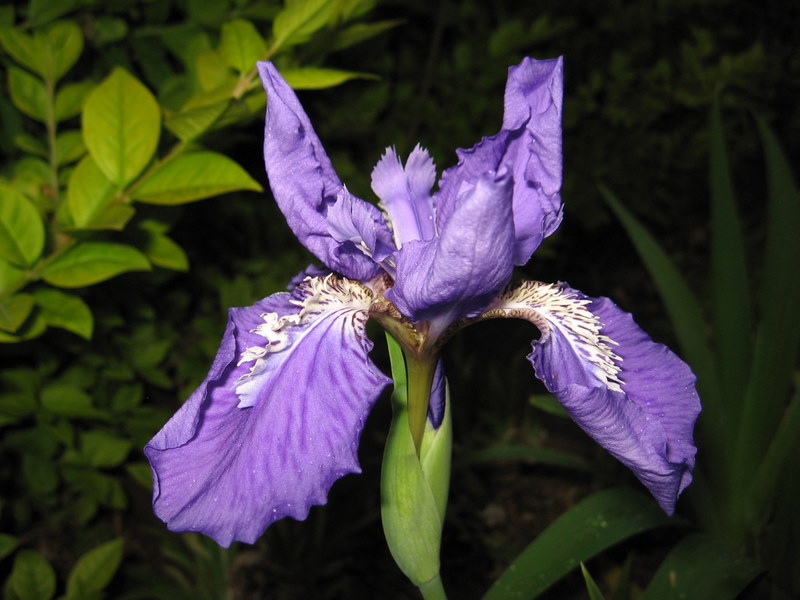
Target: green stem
420 378
433 589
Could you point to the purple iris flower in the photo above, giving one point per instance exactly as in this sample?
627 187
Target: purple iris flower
278 418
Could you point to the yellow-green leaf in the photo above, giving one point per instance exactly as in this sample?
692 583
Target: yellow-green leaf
21 228
241 45
312 78
190 123
14 310
20 46
27 93
299 20
89 193
121 126
69 147
92 262
58 47
193 177
70 99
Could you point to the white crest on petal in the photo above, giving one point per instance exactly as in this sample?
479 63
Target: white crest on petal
321 297
550 306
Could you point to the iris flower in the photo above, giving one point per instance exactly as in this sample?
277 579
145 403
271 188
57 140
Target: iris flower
278 418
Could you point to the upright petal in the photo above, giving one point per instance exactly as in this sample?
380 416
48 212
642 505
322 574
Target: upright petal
530 141
276 421
405 194
633 396
458 273
303 180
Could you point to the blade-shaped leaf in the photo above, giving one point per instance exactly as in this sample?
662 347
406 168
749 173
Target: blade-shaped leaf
92 262
778 335
701 568
66 311
21 228
732 310
591 586
121 126
594 524
192 177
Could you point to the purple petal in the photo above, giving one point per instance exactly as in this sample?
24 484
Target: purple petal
436 405
264 438
353 221
458 273
303 180
530 141
405 193
633 396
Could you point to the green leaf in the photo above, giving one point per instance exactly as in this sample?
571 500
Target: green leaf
192 177
66 311
408 503
732 310
94 570
20 46
359 32
27 93
32 577
241 45
548 403
68 401
701 568
312 78
14 310
88 263
299 20
213 74
783 446
8 543
165 253
104 449
121 126
30 144
21 228
40 474
189 124
15 405
58 47
141 473
69 147
778 336
591 586
42 11
591 526
70 99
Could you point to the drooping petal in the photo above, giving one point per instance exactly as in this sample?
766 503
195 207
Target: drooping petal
529 141
303 180
276 421
458 273
405 194
633 396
